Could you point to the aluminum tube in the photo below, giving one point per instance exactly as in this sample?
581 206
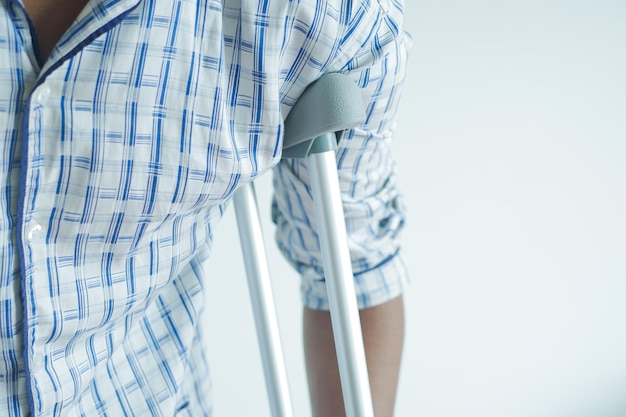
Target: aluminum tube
340 283
251 237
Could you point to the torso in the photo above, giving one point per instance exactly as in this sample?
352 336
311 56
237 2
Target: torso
51 19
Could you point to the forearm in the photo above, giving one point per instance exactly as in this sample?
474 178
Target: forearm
383 334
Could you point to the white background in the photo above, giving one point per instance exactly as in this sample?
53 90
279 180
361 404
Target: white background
511 143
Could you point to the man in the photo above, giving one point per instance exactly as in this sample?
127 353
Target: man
125 127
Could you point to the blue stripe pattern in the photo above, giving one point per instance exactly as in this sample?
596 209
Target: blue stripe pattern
118 157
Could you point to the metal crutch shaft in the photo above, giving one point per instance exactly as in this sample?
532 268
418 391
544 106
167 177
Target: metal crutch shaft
340 284
259 286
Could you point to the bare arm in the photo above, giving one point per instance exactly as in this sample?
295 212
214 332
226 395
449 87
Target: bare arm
383 334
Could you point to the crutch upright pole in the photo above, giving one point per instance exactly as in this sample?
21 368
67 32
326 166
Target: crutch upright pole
315 124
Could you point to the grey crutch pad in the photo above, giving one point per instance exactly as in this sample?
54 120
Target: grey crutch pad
331 104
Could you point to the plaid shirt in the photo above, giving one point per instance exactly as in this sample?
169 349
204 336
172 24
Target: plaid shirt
118 156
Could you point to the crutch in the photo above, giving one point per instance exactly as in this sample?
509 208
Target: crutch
326 108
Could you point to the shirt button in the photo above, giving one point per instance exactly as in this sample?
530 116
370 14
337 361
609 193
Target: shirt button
37 363
33 231
43 94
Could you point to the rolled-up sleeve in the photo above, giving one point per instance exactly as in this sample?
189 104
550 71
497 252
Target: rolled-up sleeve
372 202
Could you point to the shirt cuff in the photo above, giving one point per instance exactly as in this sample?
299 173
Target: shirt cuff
376 286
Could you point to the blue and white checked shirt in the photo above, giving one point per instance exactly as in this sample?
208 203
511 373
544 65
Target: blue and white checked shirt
118 156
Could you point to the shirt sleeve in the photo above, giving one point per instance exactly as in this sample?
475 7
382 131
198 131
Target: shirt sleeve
373 53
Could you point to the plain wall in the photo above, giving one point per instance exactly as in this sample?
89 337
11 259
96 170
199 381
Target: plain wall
511 142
